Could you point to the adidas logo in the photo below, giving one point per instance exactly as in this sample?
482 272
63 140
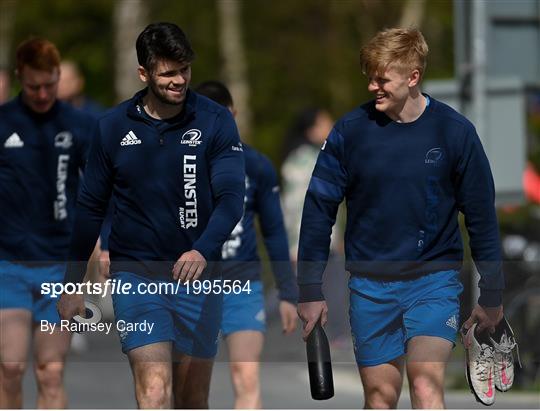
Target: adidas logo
14 141
130 139
123 334
261 316
452 322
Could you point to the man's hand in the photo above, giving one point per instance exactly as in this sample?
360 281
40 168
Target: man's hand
288 316
485 317
310 313
104 265
189 266
71 305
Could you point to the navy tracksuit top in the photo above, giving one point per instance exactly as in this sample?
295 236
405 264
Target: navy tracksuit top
178 185
404 184
241 260
41 157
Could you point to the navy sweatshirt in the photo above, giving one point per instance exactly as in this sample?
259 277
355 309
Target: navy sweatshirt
178 185
404 184
241 260
41 156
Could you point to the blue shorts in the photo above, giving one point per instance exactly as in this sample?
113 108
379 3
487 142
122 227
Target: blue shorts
385 315
243 311
189 320
20 287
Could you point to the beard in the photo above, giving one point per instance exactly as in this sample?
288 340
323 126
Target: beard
163 97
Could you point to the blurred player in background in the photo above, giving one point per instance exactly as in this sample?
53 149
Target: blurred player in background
243 322
43 148
71 89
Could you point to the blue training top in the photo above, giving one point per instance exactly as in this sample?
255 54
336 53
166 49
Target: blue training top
178 185
41 156
241 260
404 184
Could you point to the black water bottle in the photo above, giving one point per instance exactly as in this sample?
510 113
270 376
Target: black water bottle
321 381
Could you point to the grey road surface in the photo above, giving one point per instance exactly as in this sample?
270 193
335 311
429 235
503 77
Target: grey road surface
100 378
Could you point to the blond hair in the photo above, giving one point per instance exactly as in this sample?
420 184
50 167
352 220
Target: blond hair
398 48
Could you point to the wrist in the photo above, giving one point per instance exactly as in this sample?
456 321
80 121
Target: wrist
490 298
310 292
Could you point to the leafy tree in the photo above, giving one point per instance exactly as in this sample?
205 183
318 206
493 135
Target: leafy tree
299 53
82 31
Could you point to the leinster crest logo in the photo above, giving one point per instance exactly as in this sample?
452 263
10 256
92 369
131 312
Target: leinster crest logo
192 137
